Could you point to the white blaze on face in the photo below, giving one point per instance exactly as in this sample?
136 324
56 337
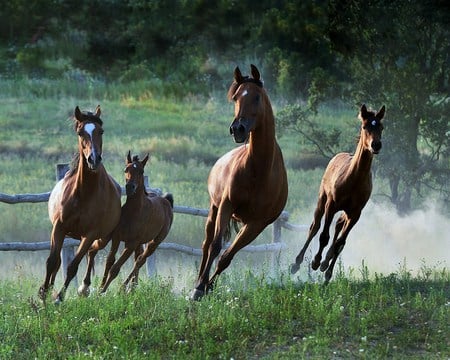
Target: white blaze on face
244 93
89 128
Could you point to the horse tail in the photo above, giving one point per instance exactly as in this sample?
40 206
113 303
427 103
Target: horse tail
169 198
227 232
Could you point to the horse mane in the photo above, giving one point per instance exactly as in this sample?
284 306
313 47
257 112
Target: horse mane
246 79
73 166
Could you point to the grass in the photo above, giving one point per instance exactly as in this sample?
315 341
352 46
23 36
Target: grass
246 317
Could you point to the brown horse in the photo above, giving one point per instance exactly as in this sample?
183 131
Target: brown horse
346 186
84 205
145 219
248 184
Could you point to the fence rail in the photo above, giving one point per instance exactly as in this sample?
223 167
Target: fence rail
70 244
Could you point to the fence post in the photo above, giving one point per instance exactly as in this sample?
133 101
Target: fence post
276 238
67 253
150 263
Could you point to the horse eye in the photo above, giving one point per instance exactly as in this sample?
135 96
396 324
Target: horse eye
101 132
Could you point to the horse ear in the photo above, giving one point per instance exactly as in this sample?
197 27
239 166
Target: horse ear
129 161
144 161
380 113
78 114
238 75
97 111
363 112
255 72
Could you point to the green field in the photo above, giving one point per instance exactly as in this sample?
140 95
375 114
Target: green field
247 317
395 305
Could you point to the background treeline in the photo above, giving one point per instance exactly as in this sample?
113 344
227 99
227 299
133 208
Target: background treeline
310 52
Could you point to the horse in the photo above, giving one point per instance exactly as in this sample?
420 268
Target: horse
346 186
248 184
84 205
145 219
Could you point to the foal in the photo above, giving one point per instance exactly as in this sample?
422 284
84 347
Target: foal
145 219
346 186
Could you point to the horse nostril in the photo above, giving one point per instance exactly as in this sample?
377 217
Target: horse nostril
376 145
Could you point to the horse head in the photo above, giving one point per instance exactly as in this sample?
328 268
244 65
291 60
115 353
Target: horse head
134 173
247 93
88 126
372 128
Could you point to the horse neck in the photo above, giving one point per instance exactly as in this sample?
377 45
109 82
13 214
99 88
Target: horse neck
87 180
361 160
262 143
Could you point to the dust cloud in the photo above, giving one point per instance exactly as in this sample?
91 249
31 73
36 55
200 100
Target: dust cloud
386 242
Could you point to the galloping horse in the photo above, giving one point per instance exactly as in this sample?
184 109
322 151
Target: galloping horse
346 186
248 184
84 205
145 219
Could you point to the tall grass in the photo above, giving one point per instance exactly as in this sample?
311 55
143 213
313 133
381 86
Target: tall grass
246 317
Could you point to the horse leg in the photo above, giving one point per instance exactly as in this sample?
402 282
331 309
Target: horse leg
110 259
137 253
209 236
325 235
72 269
313 229
246 235
55 271
340 243
83 289
211 246
54 259
337 231
115 268
139 261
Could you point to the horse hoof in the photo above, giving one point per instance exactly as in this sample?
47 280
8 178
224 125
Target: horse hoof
57 300
315 265
328 275
83 290
323 266
196 294
294 268
42 293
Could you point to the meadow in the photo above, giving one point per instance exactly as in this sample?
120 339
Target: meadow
257 311
247 317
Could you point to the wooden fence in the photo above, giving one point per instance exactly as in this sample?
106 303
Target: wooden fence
70 244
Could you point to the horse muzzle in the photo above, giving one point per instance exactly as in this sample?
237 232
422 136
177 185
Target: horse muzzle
93 161
130 188
240 129
375 147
